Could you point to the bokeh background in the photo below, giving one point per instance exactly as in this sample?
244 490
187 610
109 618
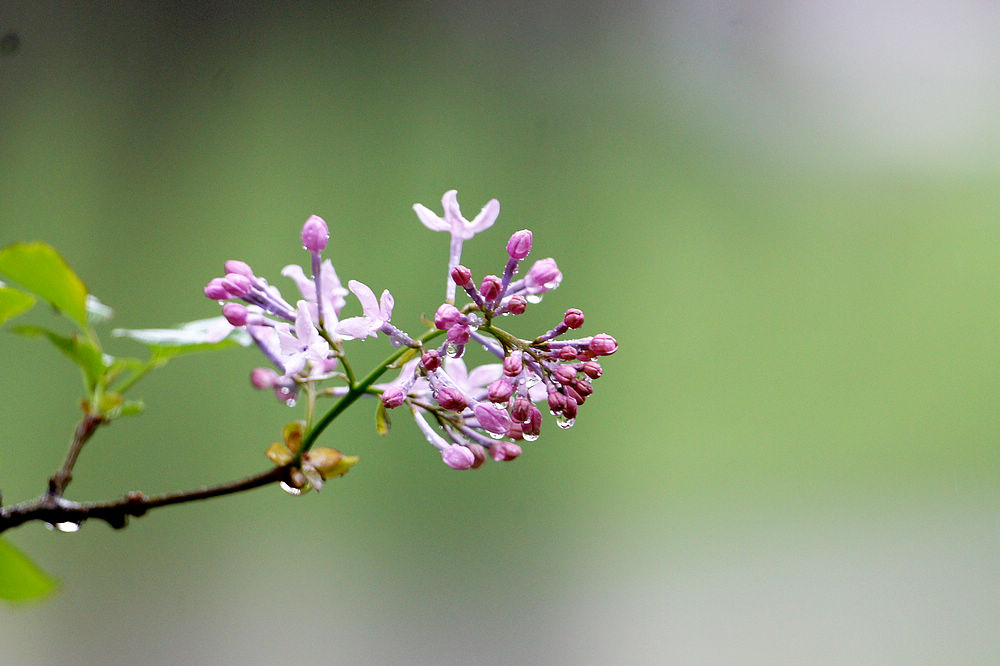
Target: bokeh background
786 212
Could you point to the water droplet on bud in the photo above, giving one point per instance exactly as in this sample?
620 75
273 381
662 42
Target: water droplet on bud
564 422
534 299
529 438
494 435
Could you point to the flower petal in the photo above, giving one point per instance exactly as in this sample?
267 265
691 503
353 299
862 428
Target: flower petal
487 216
366 296
430 219
385 305
355 327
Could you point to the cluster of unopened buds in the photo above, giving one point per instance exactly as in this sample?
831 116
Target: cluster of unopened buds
466 414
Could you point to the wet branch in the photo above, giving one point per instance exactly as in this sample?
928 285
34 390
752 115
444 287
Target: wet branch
55 510
84 430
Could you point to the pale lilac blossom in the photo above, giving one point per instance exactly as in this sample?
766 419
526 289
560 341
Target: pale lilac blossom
377 313
306 347
331 292
460 228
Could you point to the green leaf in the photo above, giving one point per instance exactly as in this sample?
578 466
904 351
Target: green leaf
132 408
382 420
82 352
13 302
162 353
20 578
39 269
194 336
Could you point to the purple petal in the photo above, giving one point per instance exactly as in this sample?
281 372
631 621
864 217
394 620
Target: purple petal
487 216
306 286
386 304
304 328
485 374
430 219
366 296
355 327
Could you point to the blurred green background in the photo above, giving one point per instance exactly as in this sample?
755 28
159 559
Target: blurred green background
785 212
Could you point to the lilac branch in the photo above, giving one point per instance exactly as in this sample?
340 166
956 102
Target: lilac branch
84 430
54 509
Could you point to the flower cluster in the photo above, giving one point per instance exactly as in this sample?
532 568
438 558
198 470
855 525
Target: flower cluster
466 414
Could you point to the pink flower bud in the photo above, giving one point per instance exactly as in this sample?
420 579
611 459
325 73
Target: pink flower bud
458 457
235 314
462 276
543 276
534 424
492 418
505 451
556 401
430 359
517 305
603 345
446 316
569 409
239 267
451 399
593 369
394 396
458 334
584 388
262 378
315 234
568 353
564 374
573 394
216 290
573 318
237 285
520 410
519 244
490 288
478 452
500 390
512 365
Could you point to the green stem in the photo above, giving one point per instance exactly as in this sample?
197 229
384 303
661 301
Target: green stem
357 390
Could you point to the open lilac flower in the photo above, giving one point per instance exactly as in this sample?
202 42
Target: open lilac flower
305 347
460 228
377 313
331 292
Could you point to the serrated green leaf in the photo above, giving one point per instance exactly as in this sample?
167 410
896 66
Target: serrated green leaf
80 351
14 302
382 421
20 578
38 268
